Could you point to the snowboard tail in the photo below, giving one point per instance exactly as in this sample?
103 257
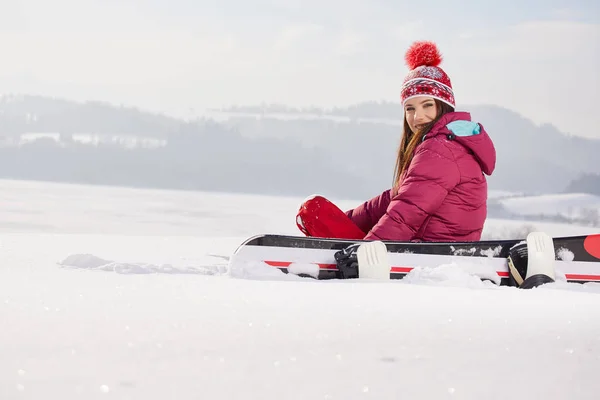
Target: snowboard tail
577 257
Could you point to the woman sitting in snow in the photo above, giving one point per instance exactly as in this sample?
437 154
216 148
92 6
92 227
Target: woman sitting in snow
440 190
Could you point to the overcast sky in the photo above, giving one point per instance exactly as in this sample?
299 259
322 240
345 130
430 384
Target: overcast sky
538 57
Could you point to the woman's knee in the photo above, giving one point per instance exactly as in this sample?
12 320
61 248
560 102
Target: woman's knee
313 202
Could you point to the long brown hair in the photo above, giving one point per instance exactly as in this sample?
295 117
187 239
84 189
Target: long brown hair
410 140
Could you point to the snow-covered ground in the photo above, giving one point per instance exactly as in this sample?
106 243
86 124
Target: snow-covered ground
151 313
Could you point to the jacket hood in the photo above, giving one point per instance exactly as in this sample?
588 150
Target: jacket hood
457 126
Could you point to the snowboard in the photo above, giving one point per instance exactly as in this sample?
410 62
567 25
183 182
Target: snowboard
577 258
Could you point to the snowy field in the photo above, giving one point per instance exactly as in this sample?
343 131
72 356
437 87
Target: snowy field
151 313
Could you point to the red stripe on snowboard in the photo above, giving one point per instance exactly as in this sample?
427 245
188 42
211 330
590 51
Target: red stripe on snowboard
285 264
406 270
401 270
333 267
578 277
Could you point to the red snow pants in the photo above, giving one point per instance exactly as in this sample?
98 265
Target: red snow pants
318 217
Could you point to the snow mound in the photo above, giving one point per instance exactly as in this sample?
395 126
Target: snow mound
258 270
304 269
460 275
92 262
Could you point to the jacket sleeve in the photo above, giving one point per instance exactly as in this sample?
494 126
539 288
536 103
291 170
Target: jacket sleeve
429 178
366 215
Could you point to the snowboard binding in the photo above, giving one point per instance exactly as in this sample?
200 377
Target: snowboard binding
531 263
347 262
371 256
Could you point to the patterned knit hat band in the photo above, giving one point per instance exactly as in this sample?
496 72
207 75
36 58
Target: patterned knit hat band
427 87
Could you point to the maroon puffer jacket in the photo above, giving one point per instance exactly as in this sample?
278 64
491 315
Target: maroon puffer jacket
443 194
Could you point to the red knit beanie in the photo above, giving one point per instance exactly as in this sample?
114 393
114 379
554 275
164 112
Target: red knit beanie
426 78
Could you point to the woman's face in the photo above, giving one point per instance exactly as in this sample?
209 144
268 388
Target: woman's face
419 111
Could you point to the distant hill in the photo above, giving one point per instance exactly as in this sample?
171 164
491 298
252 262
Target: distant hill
531 158
23 114
345 152
586 183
